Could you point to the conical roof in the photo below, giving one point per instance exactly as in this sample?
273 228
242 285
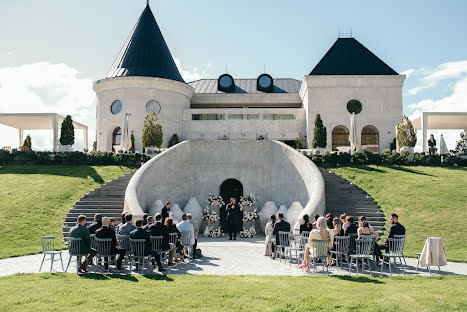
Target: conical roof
347 56
145 53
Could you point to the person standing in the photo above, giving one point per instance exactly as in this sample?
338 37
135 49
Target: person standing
165 212
432 145
270 239
234 218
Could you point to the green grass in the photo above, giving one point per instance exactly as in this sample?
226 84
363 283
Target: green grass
34 200
70 292
430 201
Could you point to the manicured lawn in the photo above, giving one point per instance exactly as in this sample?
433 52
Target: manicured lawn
430 201
35 199
69 292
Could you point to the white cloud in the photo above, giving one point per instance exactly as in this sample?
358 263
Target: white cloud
190 74
46 88
408 72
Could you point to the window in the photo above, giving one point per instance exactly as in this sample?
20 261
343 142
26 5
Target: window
207 117
370 139
278 117
235 116
117 136
252 116
116 107
340 137
153 106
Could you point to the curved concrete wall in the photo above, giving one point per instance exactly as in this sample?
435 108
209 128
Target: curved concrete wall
269 169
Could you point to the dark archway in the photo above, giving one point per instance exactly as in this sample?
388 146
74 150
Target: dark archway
228 189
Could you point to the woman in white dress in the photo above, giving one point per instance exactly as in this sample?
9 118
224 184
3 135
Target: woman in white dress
270 239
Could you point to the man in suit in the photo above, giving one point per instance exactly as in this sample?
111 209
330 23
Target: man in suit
281 226
80 231
145 219
165 212
150 222
106 232
159 229
351 226
97 223
395 229
126 228
139 233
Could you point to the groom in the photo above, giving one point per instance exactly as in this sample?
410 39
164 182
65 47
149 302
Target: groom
233 221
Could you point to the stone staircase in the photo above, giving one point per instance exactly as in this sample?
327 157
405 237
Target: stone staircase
108 200
344 197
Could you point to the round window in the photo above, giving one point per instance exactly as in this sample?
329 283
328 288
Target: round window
354 106
226 83
153 106
116 107
264 82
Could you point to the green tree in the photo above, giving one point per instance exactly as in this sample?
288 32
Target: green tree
319 134
152 131
298 143
174 140
67 132
132 138
461 145
94 146
27 142
406 135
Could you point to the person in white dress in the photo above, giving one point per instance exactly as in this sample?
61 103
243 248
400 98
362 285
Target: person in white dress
270 239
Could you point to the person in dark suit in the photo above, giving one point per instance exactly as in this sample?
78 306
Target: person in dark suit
145 219
234 219
165 212
159 229
432 145
80 231
97 223
281 226
351 226
150 222
395 229
106 232
139 233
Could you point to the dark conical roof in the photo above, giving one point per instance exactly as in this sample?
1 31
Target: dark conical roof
347 56
145 53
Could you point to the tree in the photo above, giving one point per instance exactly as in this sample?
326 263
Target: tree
319 134
27 142
174 140
406 135
461 145
67 132
152 131
94 146
132 138
298 143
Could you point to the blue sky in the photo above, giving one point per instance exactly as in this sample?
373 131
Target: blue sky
425 39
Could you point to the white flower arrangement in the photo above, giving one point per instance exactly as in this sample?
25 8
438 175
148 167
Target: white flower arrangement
247 201
215 232
215 201
251 216
210 216
248 233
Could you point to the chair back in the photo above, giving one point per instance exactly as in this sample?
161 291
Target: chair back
156 243
296 231
401 236
173 237
284 239
363 246
103 246
124 241
93 241
186 238
303 242
373 238
342 244
319 248
137 247
48 243
295 239
353 237
396 246
74 246
306 233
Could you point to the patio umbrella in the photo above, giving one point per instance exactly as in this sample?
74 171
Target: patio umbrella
353 134
443 148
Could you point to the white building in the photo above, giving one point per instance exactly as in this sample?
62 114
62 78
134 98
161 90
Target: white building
144 78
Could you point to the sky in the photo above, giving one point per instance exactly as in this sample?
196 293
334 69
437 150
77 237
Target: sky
51 51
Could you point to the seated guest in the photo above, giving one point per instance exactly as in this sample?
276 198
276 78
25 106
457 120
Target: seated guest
172 228
270 239
343 222
351 228
123 221
97 223
113 224
145 219
187 227
336 231
281 226
128 227
362 219
320 233
159 229
106 232
195 230
314 223
139 233
80 231
366 229
395 229
329 219
306 226
149 223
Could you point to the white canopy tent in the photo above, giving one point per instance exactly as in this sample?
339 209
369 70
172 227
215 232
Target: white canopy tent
39 121
439 120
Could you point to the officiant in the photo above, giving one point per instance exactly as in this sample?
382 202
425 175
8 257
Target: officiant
234 219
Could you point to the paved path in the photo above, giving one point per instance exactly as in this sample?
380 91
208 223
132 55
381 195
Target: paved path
222 257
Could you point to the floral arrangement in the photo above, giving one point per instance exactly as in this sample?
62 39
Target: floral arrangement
248 233
247 201
215 232
215 201
251 216
210 216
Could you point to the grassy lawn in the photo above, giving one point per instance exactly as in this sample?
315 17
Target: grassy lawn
70 292
430 201
35 199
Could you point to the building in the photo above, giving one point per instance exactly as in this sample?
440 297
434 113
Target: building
349 78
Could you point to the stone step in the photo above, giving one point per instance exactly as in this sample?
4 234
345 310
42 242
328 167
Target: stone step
98 206
94 211
86 201
95 196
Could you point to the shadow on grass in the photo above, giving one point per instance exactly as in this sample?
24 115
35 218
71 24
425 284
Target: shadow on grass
158 277
358 279
367 168
408 170
104 277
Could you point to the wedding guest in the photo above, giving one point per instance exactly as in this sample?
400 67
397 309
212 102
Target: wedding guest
316 219
362 219
165 212
281 226
336 231
139 233
320 233
113 224
128 227
172 228
80 231
150 222
145 219
195 231
122 222
343 222
366 229
106 232
432 145
269 232
395 229
351 228
306 226
186 227
97 223
159 229
329 219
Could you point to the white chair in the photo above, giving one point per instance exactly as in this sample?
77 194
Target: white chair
341 244
48 248
74 249
396 250
103 247
319 251
362 253
156 243
187 242
284 243
137 252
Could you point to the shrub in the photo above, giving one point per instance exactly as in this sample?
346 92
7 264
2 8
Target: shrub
406 135
392 145
152 131
298 143
94 146
461 145
319 134
132 138
174 140
67 132
28 142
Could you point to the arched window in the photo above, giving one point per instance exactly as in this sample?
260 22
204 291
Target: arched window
117 136
340 137
370 139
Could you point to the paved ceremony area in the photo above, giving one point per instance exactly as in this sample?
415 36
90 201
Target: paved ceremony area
224 257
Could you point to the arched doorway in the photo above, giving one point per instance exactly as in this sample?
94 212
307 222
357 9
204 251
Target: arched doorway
228 189
116 137
340 137
370 139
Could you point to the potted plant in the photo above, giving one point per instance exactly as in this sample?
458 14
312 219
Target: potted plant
406 136
67 135
461 145
319 137
152 134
